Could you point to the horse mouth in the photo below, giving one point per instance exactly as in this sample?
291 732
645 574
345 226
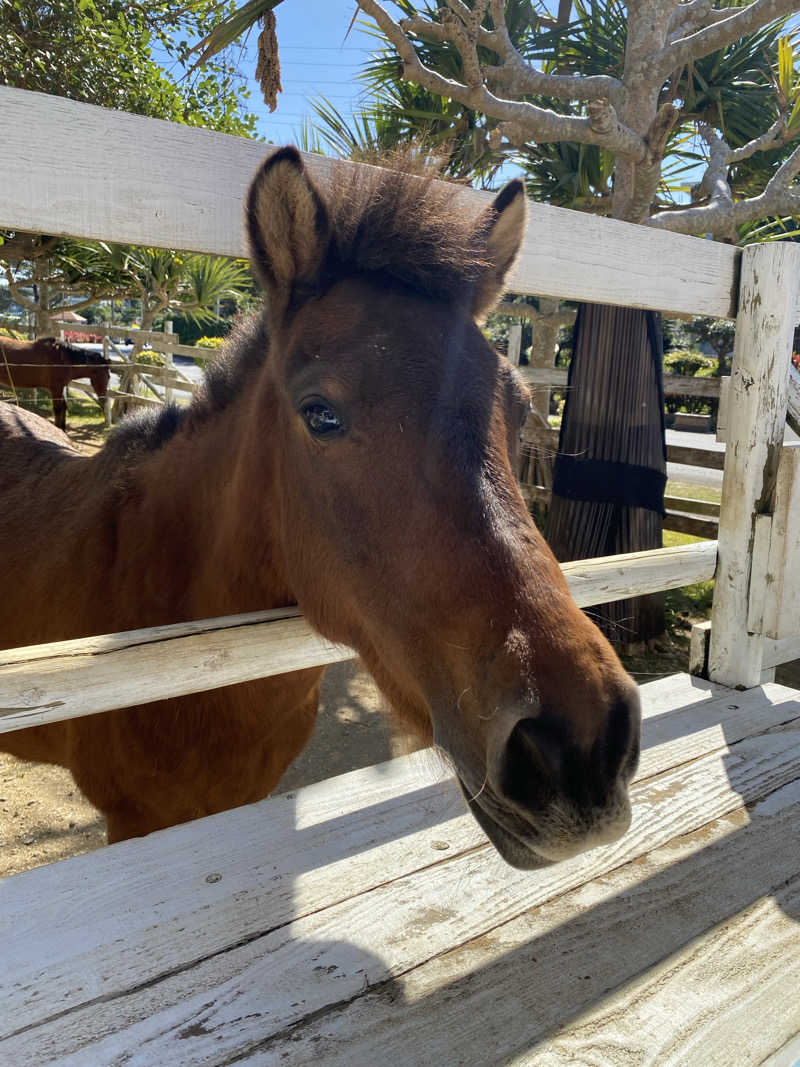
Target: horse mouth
517 850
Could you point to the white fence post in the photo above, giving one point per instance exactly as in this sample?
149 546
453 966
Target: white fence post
107 404
756 418
168 365
514 342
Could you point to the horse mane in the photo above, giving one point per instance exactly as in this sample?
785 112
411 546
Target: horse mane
394 226
225 378
75 354
403 228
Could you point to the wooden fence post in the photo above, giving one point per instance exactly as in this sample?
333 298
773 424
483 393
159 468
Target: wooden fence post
514 342
108 402
756 418
168 365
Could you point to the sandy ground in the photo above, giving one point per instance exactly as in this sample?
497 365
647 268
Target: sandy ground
44 818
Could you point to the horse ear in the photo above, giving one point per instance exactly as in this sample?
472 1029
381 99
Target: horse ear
504 226
288 227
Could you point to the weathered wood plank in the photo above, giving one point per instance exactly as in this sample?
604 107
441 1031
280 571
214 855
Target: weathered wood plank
36 687
67 679
198 207
630 574
555 986
793 399
783 650
674 384
220 1007
757 404
692 506
398 808
696 457
782 575
695 525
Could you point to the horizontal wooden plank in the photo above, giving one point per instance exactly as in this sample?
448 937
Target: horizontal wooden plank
674 384
696 457
692 506
696 525
198 207
399 807
782 650
134 398
223 1004
64 680
637 968
117 332
86 678
617 577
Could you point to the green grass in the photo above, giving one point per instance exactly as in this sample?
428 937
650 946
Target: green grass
694 492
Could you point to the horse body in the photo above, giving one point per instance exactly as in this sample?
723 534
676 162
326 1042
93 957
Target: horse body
50 364
352 453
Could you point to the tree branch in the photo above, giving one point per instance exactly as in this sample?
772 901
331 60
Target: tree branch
774 137
721 215
741 21
461 28
691 16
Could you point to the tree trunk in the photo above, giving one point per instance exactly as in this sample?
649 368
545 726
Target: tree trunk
543 349
127 379
610 471
45 324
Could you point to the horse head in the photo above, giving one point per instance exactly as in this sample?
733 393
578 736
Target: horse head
404 532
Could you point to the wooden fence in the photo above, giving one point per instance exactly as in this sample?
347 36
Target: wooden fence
565 254
156 385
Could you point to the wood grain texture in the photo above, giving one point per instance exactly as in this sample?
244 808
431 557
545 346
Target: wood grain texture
179 969
68 679
674 384
756 417
781 616
197 206
708 977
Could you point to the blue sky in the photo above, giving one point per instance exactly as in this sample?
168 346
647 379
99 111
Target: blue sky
316 60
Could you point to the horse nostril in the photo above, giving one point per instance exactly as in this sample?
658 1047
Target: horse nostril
532 765
622 737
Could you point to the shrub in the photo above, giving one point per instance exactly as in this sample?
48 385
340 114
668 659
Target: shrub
151 358
689 362
692 364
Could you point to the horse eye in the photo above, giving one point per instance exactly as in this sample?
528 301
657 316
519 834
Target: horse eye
320 418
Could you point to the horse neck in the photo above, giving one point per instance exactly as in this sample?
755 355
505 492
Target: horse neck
206 518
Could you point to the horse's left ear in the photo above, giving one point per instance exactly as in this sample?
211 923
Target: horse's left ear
288 227
504 226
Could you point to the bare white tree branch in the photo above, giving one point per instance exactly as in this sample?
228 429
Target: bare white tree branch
774 137
722 214
691 16
740 21
600 127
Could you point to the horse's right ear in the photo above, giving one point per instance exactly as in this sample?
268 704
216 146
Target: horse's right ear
288 227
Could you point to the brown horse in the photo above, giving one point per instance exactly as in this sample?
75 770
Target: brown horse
353 452
50 364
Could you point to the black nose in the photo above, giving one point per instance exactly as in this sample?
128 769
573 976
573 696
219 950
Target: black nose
543 762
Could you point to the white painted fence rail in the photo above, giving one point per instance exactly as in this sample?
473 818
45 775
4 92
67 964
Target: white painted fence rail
198 207
68 679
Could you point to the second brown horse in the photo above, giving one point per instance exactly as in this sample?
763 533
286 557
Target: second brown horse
353 452
50 364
